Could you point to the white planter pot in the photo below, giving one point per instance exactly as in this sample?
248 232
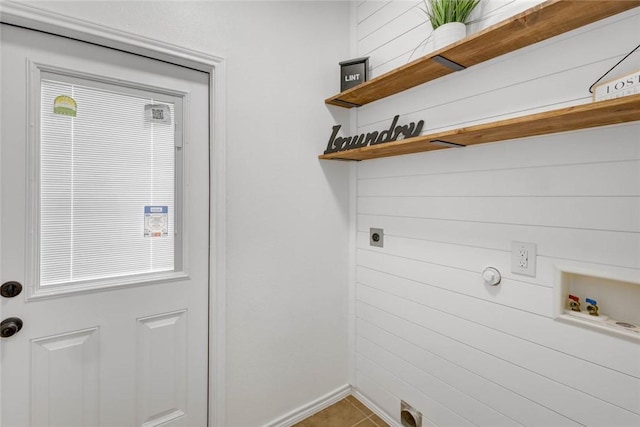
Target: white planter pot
449 33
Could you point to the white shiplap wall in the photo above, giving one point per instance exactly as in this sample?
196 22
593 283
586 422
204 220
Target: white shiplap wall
428 331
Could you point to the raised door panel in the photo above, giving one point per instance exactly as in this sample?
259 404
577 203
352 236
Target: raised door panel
162 369
65 379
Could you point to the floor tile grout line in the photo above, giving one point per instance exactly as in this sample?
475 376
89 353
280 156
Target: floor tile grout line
362 421
369 416
368 411
354 407
364 414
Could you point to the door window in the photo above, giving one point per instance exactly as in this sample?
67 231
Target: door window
109 167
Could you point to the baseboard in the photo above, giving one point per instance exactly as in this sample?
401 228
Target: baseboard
311 408
375 408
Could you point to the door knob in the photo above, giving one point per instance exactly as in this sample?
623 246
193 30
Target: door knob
10 327
10 289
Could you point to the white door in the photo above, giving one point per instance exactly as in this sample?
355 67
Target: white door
104 202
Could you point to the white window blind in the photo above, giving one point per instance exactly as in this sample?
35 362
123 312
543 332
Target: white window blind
98 172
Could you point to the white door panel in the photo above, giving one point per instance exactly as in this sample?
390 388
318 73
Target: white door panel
66 368
162 367
134 354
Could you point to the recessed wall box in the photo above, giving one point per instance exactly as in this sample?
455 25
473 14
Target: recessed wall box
353 72
614 300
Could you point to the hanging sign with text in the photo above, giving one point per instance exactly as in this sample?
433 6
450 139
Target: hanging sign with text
623 86
394 133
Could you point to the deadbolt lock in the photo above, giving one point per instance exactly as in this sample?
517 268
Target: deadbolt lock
10 289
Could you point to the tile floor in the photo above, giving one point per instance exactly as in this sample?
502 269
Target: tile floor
349 412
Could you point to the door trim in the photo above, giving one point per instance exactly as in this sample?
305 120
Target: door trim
34 18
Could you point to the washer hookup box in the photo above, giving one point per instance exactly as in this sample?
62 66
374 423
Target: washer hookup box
353 72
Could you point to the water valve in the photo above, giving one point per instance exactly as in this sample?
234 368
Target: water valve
491 276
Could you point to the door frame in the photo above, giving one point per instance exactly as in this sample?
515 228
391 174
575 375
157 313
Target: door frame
27 16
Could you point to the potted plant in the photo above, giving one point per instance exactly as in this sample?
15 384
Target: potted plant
448 19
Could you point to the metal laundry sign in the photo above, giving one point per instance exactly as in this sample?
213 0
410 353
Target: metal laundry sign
394 133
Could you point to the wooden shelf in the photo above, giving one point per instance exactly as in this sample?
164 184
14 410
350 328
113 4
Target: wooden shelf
594 114
541 22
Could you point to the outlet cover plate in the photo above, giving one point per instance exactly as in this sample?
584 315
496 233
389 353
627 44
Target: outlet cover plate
376 237
523 258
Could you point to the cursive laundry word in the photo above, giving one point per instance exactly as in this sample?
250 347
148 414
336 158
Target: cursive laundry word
394 133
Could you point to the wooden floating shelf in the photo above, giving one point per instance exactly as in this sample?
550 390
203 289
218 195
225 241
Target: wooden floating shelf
541 22
594 114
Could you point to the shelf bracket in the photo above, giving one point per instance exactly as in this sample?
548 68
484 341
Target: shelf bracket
344 159
448 63
346 103
446 143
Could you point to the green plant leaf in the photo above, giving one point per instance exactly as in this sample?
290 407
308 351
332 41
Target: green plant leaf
441 12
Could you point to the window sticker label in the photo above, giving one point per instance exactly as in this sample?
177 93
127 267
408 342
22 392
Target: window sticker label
157 113
156 221
65 105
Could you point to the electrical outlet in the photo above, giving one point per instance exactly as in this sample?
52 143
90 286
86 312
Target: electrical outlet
376 237
523 258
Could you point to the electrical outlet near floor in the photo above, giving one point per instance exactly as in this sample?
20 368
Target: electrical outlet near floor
376 237
523 258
